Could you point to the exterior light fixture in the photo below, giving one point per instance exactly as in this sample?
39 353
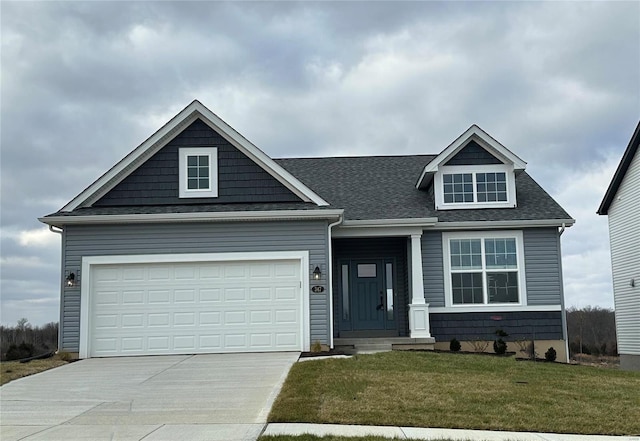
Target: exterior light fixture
71 279
316 273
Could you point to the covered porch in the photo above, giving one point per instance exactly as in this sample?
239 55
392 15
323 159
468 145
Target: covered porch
378 292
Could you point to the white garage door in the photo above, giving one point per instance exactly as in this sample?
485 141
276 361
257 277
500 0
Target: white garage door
188 308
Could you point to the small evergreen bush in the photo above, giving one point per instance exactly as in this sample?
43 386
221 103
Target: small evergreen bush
499 346
551 354
454 345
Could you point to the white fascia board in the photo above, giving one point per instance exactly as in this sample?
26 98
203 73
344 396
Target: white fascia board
193 217
161 137
383 227
481 225
485 140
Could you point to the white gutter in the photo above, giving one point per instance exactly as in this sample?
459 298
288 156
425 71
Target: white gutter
192 217
385 223
55 229
330 280
475 225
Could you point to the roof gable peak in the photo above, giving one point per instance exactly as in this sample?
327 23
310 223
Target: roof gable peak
195 110
480 137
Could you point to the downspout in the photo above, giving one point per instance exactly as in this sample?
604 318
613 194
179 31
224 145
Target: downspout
330 278
565 331
61 311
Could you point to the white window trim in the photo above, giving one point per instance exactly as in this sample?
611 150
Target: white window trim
473 169
505 234
212 153
89 262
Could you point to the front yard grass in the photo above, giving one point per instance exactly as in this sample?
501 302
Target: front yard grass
423 389
12 370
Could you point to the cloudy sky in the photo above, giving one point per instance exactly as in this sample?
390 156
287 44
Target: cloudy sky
83 83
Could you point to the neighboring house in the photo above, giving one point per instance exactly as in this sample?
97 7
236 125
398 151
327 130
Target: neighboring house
197 241
621 204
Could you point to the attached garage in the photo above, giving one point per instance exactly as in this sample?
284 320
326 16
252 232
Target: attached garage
194 303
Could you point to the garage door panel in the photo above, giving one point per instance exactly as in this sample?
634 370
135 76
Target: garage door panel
184 295
234 295
133 297
209 318
195 308
209 295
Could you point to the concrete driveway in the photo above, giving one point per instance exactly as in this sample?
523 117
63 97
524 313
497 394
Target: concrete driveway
194 397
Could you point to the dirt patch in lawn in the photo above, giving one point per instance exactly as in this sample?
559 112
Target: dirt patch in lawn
12 370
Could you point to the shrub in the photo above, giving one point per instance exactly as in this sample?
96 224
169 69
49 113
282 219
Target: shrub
454 345
551 354
23 350
499 346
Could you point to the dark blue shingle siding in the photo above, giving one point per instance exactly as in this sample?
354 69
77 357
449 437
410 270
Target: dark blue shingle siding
469 326
155 182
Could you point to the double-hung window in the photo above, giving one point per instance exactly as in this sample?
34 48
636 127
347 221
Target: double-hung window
198 172
484 268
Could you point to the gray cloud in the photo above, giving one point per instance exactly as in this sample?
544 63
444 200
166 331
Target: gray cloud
83 83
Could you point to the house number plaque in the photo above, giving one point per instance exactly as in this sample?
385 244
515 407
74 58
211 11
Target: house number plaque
317 289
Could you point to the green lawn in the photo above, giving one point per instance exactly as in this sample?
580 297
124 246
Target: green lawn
424 389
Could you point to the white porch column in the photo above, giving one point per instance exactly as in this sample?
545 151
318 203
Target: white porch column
418 309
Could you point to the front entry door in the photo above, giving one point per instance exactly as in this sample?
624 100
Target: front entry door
367 284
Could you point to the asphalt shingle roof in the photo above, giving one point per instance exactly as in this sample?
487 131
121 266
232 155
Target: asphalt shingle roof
368 187
383 187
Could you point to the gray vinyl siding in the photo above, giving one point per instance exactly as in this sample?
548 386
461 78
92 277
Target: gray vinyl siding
104 240
155 182
469 326
473 154
381 248
542 258
432 268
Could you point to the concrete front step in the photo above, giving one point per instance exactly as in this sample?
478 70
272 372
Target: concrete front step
382 344
383 340
365 349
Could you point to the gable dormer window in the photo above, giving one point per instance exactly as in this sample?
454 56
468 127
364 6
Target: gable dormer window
475 186
198 172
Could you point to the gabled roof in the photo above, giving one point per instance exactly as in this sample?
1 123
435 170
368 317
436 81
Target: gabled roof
618 176
478 135
160 138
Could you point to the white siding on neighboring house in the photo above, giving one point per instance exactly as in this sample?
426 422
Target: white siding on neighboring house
624 232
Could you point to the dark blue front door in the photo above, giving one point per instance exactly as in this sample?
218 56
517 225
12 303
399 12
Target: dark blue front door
367 285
